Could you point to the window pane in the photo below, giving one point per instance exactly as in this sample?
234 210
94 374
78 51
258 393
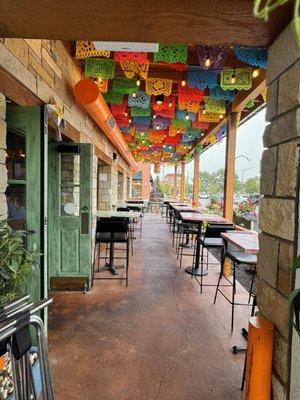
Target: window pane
16 206
16 155
70 169
69 200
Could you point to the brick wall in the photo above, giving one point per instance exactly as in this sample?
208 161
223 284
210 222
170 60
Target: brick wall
279 175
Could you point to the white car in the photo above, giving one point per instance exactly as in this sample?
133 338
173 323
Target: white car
243 198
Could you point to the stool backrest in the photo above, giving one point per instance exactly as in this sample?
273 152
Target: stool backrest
123 209
214 231
112 225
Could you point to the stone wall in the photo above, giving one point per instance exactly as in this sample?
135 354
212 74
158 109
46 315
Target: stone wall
104 186
279 187
120 186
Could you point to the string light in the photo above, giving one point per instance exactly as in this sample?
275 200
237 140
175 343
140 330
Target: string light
154 116
255 73
183 82
138 82
233 78
133 94
204 111
142 133
170 103
130 120
207 61
100 80
221 116
178 131
126 114
159 99
187 117
157 126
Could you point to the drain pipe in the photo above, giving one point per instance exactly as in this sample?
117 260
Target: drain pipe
88 95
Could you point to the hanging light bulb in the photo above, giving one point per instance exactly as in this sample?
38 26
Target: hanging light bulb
170 103
207 61
154 116
143 141
157 126
255 73
133 94
233 78
159 99
142 133
130 120
138 82
178 131
221 116
183 82
100 80
204 111
126 114
187 117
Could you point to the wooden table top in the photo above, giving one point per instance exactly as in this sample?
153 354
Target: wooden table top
244 240
181 207
197 217
120 214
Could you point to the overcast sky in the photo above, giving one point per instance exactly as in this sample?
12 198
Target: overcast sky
249 144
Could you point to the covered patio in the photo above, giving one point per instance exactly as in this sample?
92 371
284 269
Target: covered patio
118 91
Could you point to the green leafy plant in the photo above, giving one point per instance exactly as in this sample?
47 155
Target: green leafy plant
295 299
263 8
16 263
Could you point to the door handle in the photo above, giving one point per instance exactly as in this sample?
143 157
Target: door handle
84 208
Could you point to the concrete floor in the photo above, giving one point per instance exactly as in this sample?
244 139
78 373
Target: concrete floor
159 339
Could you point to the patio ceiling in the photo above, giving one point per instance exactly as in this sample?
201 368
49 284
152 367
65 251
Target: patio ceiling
168 103
213 22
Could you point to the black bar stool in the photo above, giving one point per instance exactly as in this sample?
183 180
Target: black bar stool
237 258
111 231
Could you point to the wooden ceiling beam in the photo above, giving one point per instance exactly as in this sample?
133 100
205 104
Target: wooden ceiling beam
206 22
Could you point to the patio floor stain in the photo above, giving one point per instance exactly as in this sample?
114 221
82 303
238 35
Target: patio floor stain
159 339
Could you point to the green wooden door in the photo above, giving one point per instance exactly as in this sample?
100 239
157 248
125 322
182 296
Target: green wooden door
70 210
27 180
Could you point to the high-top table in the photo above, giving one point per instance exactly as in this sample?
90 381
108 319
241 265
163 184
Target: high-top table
197 219
120 214
243 240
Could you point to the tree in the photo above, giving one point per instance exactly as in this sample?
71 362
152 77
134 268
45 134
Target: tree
252 185
164 188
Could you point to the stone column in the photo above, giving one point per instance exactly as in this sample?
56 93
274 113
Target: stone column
278 209
3 170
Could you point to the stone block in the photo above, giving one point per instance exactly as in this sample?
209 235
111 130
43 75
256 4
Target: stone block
277 217
288 158
35 45
3 131
35 65
268 167
267 259
3 177
273 306
48 58
286 127
289 89
278 390
282 53
10 63
280 356
272 101
19 48
285 261
64 92
2 106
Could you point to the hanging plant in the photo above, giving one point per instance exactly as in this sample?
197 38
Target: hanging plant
263 8
294 300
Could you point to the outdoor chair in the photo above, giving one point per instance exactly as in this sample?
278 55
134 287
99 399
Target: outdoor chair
130 226
111 231
238 258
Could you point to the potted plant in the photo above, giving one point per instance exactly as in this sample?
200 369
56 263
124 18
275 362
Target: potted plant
16 265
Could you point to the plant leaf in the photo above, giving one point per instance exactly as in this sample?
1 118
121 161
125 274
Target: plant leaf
296 263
